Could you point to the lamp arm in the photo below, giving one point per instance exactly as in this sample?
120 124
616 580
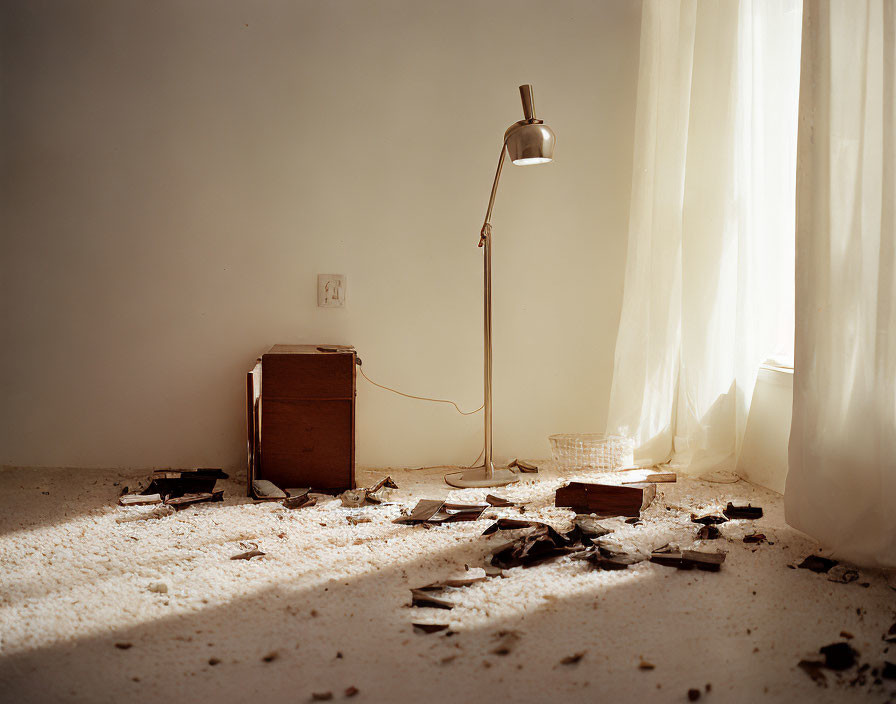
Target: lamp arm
486 230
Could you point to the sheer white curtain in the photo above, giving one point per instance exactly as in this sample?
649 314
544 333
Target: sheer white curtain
709 276
841 486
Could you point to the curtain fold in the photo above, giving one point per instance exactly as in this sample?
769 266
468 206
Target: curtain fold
709 275
841 485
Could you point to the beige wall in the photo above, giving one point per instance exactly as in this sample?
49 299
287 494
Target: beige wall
176 174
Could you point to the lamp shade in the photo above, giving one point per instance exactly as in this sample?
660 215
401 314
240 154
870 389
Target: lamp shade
530 143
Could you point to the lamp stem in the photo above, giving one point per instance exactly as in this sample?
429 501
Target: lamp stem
485 239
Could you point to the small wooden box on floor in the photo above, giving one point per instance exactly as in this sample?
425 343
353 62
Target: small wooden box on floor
605 499
301 417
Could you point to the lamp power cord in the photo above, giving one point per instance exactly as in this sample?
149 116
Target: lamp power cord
432 400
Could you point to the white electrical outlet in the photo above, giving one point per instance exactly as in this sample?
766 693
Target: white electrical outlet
331 290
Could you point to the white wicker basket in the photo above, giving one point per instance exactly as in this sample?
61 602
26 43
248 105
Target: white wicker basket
595 450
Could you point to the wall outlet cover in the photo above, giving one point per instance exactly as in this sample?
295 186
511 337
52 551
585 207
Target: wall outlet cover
331 290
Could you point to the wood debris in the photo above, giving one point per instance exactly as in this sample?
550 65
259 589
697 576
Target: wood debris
178 488
572 659
838 656
748 512
709 520
497 501
525 467
200 497
429 627
299 498
689 559
605 499
842 574
139 499
817 563
420 597
253 551
379 493
464 578
707 561
264 490
590 527
606 559
709 533
755 538
437 511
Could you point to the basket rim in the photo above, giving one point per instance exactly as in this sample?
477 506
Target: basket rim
587 436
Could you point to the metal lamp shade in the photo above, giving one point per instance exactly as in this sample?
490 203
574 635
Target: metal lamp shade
530 143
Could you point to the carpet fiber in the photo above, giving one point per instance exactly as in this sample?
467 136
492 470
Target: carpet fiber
101 603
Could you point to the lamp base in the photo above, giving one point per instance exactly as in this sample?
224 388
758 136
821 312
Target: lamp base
475 478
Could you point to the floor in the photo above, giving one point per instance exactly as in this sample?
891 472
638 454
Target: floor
101 603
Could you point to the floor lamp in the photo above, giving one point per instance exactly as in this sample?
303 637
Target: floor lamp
528 142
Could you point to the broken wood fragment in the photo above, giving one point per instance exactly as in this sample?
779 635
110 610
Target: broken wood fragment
709 533
590 528
187 499
608 560
437 511
707 561
667 559
572 659
464 578
139 499
817 563
709 520
525 467
420 597
299 500
842 574
429 627
497 501
755 538
249 554
492 571
510 524
838 656
264 490
605 499
748 512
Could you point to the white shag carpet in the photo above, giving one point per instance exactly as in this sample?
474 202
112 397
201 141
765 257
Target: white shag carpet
327 607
